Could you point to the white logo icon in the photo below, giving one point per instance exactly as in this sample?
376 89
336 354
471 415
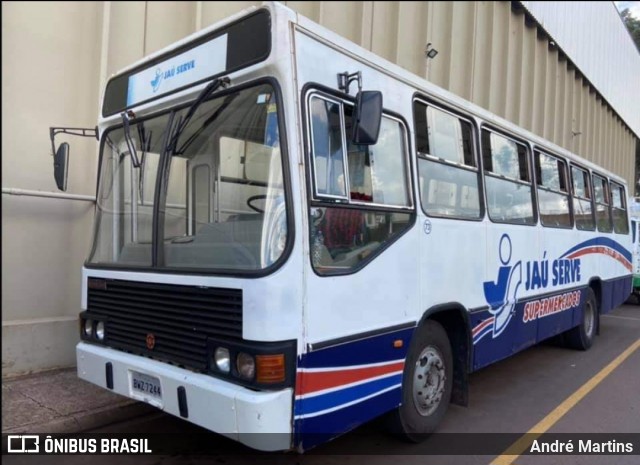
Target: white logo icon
25 443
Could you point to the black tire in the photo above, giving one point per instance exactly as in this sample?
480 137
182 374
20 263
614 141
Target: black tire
415 422
581 337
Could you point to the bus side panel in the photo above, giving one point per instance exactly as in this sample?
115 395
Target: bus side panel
615 292
609 259
558 313
340 387
487 348
534 320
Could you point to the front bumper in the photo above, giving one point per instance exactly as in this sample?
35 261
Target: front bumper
233 411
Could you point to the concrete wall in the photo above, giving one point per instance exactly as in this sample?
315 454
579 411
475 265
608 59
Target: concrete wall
56 58
50 75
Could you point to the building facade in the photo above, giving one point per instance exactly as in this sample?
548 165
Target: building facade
537 64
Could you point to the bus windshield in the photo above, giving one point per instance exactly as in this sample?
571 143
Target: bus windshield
214 199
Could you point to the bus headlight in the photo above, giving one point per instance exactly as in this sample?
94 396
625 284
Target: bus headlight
221 357
246 365
88 328
100 330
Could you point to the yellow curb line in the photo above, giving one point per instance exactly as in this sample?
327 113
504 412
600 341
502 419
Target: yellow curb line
521 445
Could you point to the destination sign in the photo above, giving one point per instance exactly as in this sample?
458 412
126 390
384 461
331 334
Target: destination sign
239 45
191 66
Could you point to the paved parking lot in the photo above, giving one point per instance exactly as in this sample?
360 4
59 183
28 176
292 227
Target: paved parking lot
547 386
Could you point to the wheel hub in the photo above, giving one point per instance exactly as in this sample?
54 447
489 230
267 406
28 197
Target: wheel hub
428 381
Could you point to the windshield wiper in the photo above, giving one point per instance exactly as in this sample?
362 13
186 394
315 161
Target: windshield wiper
127 137
182 124
145 146
209 120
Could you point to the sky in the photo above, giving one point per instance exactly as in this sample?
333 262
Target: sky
634 7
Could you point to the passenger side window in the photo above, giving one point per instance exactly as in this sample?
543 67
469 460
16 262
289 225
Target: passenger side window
553 192
377 174
327 121
601 196
361 194
619 209
582 205
446 163
508 180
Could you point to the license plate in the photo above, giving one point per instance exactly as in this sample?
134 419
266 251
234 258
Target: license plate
146 384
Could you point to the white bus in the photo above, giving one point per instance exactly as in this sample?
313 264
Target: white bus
278 250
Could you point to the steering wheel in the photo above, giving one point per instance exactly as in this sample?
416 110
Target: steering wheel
252 199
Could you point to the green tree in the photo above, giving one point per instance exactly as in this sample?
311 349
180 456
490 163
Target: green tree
633 25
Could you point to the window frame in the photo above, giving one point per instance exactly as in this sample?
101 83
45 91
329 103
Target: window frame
527 145
589 188
539 186
339 201
625 205
316 194
607 194
428 157
314 87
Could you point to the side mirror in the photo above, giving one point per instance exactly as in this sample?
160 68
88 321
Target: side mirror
60 165
367 117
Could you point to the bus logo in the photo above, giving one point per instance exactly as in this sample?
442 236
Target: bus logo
155 83
501 295
151 341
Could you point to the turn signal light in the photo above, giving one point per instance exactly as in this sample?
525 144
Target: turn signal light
270 369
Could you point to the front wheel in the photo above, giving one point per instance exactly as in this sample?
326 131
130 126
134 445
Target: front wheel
581 337
426 384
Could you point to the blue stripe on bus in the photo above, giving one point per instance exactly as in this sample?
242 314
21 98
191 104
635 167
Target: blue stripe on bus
483 333
310 432
336 398
376 349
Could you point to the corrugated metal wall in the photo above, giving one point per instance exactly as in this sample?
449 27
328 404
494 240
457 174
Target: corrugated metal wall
489 54
58 55
593 35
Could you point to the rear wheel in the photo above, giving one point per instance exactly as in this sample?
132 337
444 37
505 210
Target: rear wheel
426 384
581 337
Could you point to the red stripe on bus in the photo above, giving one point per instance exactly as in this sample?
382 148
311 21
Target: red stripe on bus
482 325
307 382
604 251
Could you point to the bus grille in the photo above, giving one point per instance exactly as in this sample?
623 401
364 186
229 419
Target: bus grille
180 318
